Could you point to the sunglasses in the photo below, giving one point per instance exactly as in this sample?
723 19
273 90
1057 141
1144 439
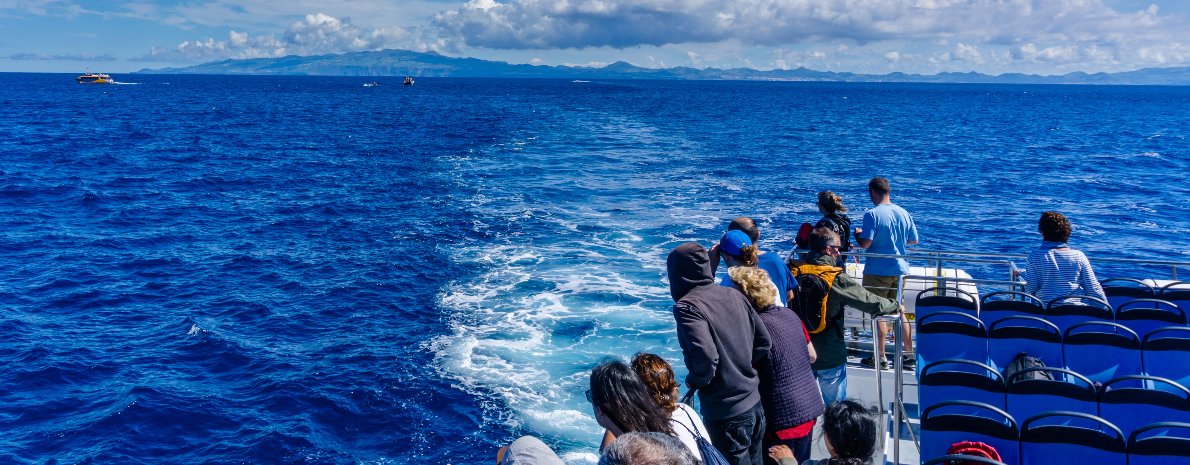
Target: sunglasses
590 398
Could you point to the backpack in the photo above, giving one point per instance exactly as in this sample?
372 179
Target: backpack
973 449
841 225
810 297
1024 361
710 455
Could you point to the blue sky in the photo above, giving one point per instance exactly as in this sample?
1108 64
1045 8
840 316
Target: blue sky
868 36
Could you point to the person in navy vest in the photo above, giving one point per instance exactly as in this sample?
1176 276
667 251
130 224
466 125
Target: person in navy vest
722 339
788 389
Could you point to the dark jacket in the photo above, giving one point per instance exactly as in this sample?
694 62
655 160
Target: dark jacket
720 335
788 389
841 225
832 351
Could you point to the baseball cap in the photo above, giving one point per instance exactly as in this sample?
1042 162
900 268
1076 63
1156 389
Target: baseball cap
733 241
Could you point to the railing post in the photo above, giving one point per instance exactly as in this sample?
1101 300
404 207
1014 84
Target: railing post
899 383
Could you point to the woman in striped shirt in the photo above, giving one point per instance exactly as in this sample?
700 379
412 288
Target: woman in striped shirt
1054 269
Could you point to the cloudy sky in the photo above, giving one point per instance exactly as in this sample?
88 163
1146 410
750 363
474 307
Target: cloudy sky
868 36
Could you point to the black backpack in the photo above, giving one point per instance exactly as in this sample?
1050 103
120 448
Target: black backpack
1024 361
810 297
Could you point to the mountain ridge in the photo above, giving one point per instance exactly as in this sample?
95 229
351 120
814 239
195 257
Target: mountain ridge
395 62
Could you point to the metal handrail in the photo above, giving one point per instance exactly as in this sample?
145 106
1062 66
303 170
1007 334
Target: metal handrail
1013 255
909 257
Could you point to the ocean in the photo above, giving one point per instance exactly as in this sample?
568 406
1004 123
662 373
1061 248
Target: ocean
303 270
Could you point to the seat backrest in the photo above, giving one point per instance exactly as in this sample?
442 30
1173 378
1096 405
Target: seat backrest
1003 304
1068 391
1130 402
954 379
1102 351
1071 437
1033 336
1144 315
950 422
1067 311
947 334
1120 290
936 299
1177 292
1165 353
1164 443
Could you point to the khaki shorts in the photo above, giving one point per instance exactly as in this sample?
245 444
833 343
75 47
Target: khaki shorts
883 286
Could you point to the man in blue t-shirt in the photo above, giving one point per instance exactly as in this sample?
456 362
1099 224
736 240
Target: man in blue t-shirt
887 229
770 262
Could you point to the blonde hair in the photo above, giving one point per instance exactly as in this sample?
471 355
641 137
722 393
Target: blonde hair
831 202
755 284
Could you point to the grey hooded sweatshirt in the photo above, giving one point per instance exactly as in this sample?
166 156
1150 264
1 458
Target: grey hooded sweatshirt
721 337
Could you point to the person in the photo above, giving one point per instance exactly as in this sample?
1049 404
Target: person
769 262
887 229
647 449
622 403
849 433
830 367
832 209
1054 269
658 376
788 390
736 249
721 339
527 450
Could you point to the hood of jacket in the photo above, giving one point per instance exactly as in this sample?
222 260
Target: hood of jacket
688 266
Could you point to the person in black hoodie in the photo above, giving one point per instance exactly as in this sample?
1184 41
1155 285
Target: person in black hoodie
832 208
721 339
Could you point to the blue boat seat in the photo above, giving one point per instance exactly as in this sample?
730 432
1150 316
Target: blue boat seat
1145 315
950 422
1068 391
1030 335
1071 438
1165 353
1121 290
1130 402
1003 304
961 301
1164 443
947 334
1177 292
1102 351
954 379
1067 311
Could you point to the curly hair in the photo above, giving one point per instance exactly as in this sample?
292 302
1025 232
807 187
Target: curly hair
831 202
755 284
658 376
1054 227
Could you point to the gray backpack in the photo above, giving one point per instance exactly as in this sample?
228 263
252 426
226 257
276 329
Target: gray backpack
1022 362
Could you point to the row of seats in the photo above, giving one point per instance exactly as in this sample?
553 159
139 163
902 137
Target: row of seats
1099 350
1141 314
1052 437
1129 402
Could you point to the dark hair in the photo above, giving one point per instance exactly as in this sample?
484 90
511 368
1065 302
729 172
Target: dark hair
879 186
822 237
658 376
746 225
831 202
1054 227
850 429
622 396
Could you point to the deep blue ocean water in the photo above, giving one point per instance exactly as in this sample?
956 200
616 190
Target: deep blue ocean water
223 269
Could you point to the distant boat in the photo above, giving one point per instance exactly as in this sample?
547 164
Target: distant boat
408 81
94 78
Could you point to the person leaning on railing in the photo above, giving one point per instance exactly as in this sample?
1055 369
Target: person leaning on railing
1054 269
831 365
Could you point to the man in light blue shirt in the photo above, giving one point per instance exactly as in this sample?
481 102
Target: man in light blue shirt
887 230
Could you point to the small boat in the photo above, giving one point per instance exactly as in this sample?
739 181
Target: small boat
408 81
373 84
94 78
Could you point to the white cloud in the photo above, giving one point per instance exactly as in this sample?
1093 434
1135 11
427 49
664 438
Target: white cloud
892 56
317 34
969 53
593 64
79 57
693 59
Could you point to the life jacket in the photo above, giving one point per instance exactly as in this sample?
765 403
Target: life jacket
813 288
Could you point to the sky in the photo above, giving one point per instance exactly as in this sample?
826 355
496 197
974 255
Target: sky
863 36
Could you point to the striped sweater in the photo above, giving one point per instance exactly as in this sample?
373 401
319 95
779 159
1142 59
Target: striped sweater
1054 270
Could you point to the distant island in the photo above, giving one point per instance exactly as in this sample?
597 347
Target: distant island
431 64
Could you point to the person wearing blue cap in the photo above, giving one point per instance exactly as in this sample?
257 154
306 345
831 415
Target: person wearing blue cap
739 247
